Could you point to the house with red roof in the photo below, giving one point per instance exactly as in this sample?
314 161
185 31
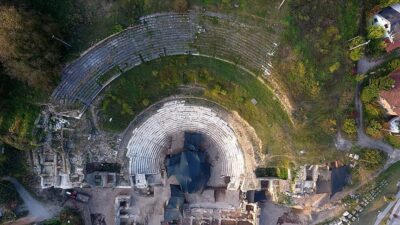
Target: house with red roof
389 19
390 99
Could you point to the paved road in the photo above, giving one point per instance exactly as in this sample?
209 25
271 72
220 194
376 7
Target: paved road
395 220
382 214
365 64
36 209
364 140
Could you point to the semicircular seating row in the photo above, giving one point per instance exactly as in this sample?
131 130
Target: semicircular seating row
148 145
158 35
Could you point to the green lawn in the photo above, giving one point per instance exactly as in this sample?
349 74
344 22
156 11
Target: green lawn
218 81
19 106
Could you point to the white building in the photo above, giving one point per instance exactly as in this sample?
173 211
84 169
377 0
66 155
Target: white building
394 125
389 19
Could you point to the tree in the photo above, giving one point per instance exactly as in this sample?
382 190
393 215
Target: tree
350 126
376 47
369 93
27 50
181 5
374 129
371 159
375 32
357 48
8 193
394 64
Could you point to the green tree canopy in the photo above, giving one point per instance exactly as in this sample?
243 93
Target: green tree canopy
372 159
375 32
357 51
27 50
350 126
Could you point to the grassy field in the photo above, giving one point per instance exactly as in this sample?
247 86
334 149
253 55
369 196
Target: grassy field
218 81
313 64
19 108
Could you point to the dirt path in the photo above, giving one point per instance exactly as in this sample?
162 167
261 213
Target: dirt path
36 209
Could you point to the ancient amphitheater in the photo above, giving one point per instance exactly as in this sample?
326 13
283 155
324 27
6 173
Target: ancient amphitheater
164 34
151 139
157 134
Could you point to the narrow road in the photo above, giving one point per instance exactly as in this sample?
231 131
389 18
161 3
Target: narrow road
36 209
382 214
363 140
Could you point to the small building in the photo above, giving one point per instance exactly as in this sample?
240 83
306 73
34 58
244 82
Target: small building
390 99
332 179
324 181
394 125
389 19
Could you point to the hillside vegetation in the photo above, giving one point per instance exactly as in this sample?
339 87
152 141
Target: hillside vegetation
314 65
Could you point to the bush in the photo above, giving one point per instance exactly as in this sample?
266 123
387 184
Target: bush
117 28
8 194
67 216
146 102
334 67
375 32
371 159
376 47
374 129
372 111
279 172
394 64
390 198
26 50
349 126
181 5
368 94
393 140
356 53
371 92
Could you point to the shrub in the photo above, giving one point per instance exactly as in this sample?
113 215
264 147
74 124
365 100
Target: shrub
375 32
117 28
350 126
356 53
371 159
374 129
8 193
146 102
279 172
394 64
372 111
371 92
390 198
181 5
393 140
334 67
376 47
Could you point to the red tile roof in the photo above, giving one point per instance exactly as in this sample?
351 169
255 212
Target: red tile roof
393 96
390 46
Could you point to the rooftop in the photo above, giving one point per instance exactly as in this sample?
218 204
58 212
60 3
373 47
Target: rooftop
392 96
392 14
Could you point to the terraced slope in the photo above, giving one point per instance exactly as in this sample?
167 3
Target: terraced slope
164 34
